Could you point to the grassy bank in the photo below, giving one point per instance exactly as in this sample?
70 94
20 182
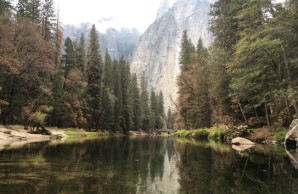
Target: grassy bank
82 133
204 133
259 135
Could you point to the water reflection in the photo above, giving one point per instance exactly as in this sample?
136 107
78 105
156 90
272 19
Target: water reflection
144 165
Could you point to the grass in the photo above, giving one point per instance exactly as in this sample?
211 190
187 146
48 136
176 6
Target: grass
203 133
280 136
81 133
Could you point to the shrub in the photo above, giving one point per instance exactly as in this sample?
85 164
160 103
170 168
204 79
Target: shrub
201 133
216 134
280 136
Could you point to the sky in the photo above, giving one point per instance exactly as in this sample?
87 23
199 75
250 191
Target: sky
137 14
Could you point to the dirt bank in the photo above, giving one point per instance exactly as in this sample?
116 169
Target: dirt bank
18 137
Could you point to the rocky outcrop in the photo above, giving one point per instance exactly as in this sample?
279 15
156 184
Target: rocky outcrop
163 8
157 53
292 135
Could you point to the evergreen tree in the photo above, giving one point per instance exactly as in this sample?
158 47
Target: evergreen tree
94 81
186 52
69 58
118 96
58 116
81 55
185 81
58 43
5 5
126 123
170 119
135 93
155 122
144 102
108 94
48 19
161 111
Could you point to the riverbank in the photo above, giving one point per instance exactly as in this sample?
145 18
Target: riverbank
11 136
264 135
16 135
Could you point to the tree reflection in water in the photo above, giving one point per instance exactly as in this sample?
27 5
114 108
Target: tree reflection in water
143 165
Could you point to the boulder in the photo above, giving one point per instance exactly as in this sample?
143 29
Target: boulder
242 141
292 135
241 148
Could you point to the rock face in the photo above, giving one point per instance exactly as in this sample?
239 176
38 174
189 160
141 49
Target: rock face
118 42
292 135
157 53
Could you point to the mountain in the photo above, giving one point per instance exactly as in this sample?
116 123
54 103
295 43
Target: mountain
118 42
157 53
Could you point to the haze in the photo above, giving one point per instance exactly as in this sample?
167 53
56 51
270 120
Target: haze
109 13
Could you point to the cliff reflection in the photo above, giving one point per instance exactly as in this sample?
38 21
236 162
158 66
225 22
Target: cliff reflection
144 165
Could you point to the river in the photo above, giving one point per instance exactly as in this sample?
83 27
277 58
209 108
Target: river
145 165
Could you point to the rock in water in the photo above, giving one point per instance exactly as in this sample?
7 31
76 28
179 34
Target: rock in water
242 141
157 53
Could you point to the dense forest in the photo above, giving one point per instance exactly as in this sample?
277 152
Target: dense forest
48 80
249 74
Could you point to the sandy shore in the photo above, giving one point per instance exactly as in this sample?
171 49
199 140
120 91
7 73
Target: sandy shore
20 137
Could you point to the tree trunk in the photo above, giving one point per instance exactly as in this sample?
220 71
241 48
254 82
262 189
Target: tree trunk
241 109
267 115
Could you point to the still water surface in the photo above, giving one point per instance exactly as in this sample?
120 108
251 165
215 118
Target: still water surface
144 165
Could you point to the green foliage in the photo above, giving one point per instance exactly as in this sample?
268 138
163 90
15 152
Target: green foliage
197 133
94 82
79 133
280 136
216 134
201 133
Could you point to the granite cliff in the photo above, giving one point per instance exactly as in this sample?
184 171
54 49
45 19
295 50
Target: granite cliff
156 56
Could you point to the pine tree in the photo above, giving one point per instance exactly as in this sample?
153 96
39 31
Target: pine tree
58 43
81 55
5 5
155 122
94 81
145 111
126 123
170 119
108 97
135 91
118 96
161 111
48 19
58 116
186 52
185 80
69 58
